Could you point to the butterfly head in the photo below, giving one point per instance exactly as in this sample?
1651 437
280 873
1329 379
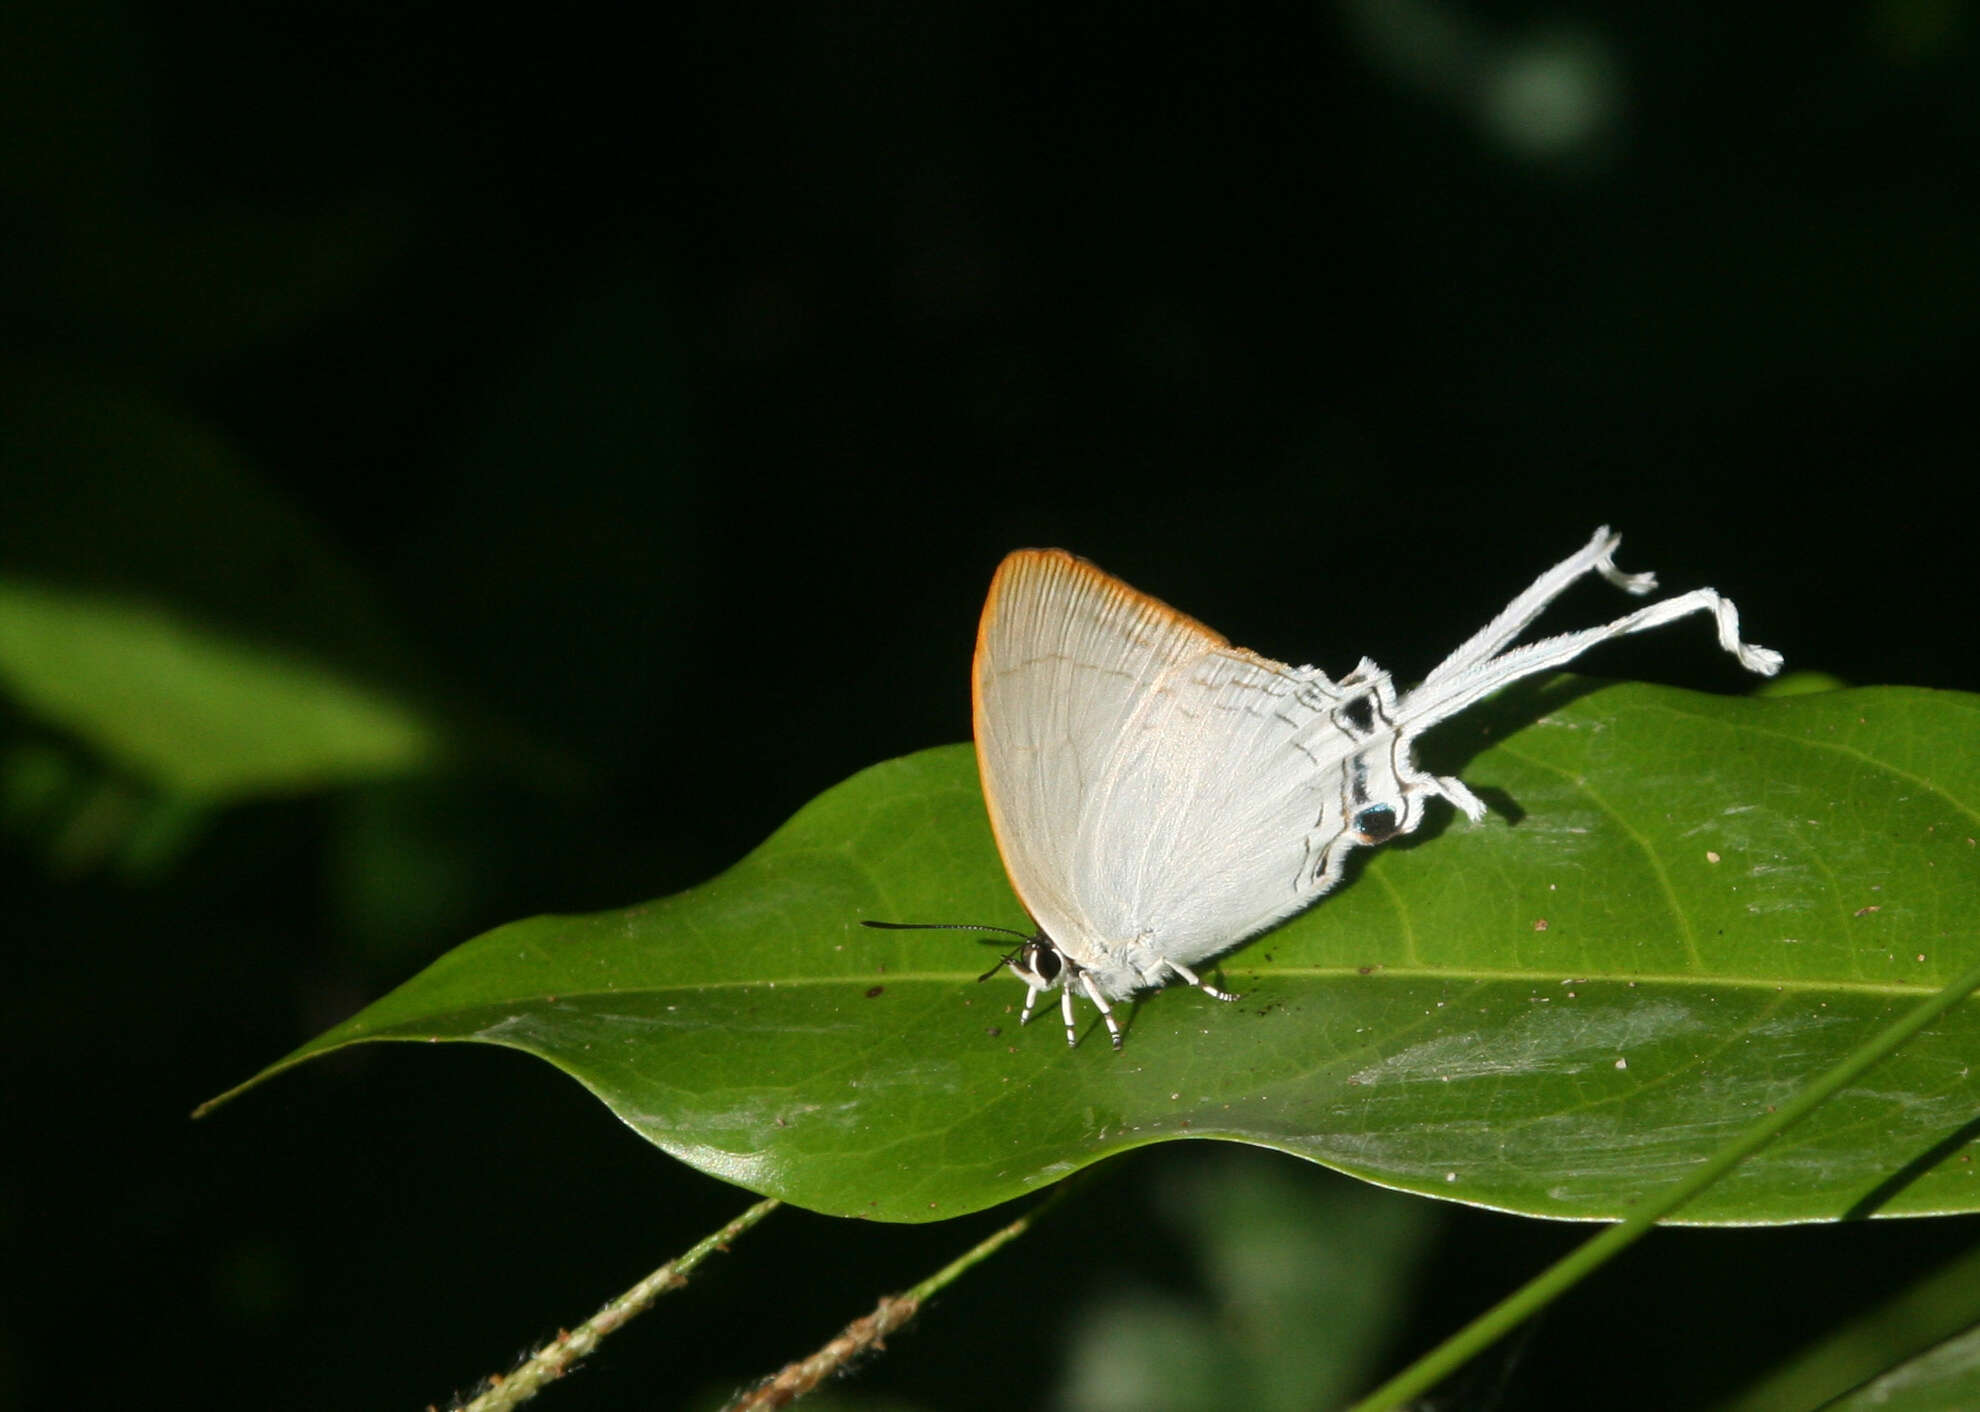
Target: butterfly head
1038 963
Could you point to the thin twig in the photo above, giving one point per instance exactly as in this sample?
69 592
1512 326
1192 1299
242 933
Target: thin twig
555 1358
869 1333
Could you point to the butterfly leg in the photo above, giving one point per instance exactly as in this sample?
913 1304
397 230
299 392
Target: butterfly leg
1198 981
1031 994
1106 1010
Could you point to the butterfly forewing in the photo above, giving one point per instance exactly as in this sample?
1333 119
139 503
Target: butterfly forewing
1063 657
1145 780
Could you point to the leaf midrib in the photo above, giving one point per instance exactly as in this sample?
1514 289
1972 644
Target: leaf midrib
1470 974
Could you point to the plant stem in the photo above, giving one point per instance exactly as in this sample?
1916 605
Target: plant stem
556 1358
1434 1366
865 1334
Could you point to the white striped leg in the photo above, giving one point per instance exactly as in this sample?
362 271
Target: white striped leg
1197 981
1032 993
1106 1010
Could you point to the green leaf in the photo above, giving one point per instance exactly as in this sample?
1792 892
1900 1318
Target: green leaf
160 604
1947 1379
1682 907
1270 1241
193 708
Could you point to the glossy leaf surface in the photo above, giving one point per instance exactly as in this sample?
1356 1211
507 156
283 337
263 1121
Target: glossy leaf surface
1681 908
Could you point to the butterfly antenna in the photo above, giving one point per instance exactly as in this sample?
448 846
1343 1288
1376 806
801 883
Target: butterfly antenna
1024 938
945 927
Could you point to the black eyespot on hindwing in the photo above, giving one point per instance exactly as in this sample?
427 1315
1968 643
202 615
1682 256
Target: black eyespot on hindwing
1376 823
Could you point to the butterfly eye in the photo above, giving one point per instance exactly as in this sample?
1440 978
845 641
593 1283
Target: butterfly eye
1376 823
1041 960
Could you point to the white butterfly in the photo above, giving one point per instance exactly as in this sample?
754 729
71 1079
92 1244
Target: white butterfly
1159 795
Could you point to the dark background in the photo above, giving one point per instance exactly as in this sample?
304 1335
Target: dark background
669 382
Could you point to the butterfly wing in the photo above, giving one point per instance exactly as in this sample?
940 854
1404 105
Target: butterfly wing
1221 800
1065 656
1149 785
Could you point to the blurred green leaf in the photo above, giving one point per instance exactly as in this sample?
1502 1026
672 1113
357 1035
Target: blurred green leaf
193 709
1700 903
1947 1379
1274 1241
1902 1327
119 493
81 815
175 636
